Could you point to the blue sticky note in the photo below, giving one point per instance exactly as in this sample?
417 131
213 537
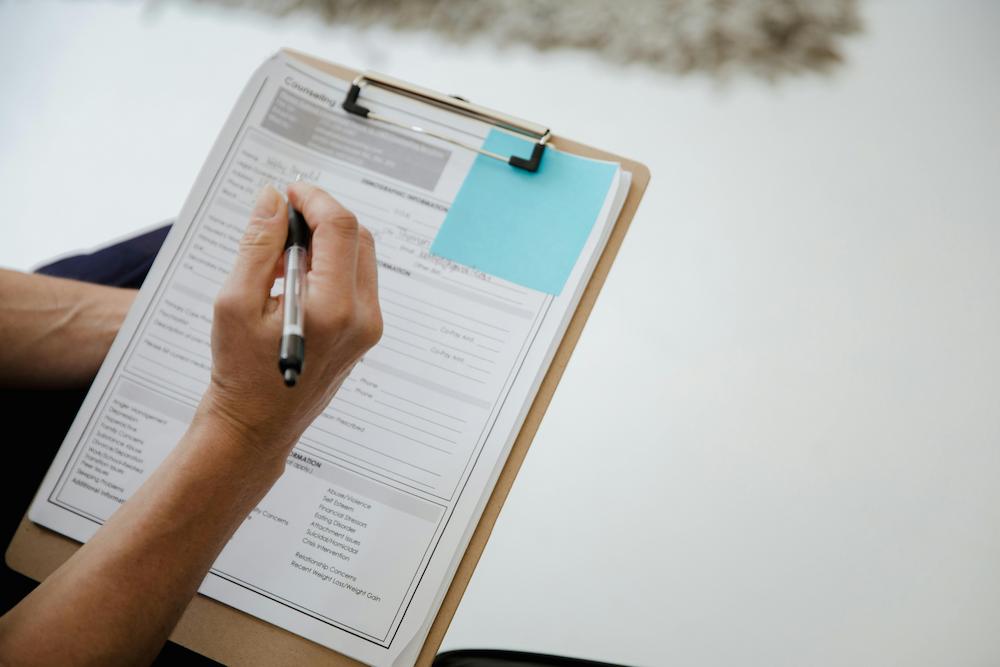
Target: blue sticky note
528 228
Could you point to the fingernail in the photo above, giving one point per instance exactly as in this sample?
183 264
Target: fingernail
267 203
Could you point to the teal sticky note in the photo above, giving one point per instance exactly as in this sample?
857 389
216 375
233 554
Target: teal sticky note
528 228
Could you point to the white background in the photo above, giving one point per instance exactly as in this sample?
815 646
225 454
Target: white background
779 439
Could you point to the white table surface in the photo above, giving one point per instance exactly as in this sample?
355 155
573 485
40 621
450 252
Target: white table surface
779 439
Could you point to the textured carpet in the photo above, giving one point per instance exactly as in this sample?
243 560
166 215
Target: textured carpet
770 38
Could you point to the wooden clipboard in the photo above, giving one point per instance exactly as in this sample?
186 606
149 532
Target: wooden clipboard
231 636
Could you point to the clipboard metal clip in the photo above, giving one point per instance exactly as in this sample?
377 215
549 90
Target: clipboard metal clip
536 133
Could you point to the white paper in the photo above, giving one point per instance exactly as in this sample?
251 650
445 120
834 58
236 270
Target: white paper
355 545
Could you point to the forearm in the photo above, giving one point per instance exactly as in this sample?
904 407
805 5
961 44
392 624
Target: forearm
56 332
117 599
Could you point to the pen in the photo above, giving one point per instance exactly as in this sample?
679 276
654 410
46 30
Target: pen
291 356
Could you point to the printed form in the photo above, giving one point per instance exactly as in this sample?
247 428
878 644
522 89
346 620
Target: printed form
356 544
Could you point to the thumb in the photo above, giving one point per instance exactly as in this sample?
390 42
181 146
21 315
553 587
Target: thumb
260 250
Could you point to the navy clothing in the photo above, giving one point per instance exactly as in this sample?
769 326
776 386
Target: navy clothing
123 264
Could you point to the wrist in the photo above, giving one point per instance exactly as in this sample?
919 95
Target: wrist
233 436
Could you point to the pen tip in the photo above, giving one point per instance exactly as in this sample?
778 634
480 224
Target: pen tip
290 377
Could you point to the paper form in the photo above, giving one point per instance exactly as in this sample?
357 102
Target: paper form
357 542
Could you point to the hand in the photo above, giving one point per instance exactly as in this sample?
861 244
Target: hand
116 599
246 393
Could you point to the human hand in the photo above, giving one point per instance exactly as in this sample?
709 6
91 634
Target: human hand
246 393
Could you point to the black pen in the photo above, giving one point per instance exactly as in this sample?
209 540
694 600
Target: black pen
292 354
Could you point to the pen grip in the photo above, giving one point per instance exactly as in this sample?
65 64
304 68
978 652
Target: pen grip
295 291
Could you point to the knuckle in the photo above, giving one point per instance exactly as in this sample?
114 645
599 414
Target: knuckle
365 236
253 235
366 330
314 199
372 330
335 319
229 303
345 221
225 303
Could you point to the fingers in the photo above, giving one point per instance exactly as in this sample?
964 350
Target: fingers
343 277
333 262
367 287
279 268
249 283
367 276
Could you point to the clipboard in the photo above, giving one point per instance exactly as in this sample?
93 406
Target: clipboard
231 636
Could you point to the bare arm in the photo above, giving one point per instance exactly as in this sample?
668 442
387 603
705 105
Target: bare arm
56 332
117 599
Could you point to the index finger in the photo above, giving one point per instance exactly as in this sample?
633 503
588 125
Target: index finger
334 251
